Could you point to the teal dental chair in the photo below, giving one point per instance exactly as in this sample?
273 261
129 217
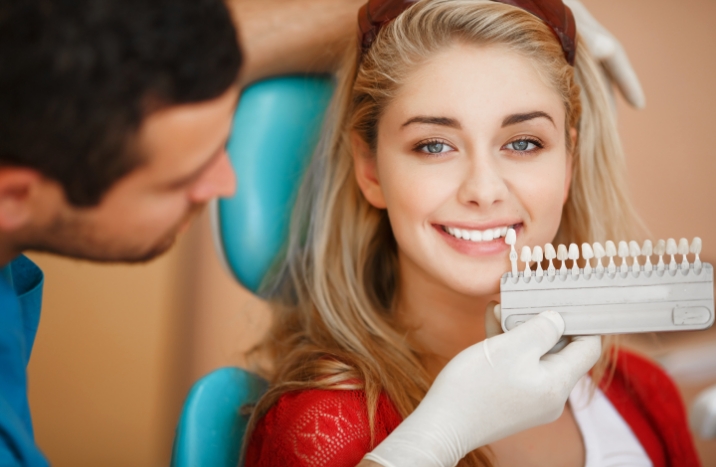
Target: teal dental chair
275 130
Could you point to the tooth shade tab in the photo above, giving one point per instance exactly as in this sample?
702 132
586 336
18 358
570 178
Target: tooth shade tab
634 249
683 246
695 246
660 247
587 252
562 253
647 249
510 236
623 249
526 254
537 254
549 252
599 252
611 249
671 247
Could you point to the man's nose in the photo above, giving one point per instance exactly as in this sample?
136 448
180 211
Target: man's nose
219 181
483 184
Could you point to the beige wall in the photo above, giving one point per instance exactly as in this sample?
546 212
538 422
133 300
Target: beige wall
119 345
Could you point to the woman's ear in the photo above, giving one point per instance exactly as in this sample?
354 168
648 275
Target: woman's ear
570 160
366 171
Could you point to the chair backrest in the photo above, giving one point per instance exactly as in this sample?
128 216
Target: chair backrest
211 427
275 131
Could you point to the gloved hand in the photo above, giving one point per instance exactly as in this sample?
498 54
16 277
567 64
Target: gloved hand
606 49
493 389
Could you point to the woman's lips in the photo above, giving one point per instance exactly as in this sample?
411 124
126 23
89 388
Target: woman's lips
475 248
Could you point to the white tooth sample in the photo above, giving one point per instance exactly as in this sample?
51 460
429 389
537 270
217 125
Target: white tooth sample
537 257
503 231
671 250
511 239
683 250
487 235
659 250
696 250
599 253
550 254
611 251
634 252
562 255
496 232
647 250
574 256
587 254
526 256
476 236
623 254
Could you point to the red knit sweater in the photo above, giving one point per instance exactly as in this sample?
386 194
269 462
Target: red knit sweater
321 428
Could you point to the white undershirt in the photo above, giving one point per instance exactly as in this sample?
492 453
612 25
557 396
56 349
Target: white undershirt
608 440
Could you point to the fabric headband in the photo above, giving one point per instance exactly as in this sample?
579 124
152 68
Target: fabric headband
377 13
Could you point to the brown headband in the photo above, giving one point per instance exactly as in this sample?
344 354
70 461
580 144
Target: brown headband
377 13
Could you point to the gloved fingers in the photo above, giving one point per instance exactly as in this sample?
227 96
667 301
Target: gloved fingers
605 48
534 337
492 320
576 358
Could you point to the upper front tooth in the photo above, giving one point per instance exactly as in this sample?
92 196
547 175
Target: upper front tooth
476 236
503 231
496 232
488 235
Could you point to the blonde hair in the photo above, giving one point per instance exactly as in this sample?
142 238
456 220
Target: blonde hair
334 324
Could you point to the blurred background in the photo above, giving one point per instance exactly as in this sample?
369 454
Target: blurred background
119 346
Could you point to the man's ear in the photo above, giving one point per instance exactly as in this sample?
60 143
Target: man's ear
366 171
570 162
17 186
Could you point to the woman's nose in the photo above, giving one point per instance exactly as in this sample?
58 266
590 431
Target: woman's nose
483 184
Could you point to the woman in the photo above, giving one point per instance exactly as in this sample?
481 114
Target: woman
456 120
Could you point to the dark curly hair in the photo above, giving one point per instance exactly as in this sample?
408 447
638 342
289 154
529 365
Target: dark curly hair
77 77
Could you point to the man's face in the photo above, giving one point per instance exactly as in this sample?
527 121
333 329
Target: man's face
186 165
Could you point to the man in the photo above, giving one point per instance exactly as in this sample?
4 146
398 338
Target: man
114 115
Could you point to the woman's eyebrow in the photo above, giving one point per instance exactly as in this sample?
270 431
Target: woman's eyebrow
519 118
442 121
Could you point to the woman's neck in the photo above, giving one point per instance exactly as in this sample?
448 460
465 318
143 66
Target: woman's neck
441 321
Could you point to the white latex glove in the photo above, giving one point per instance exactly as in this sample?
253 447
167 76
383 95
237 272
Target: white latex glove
606 49
493 389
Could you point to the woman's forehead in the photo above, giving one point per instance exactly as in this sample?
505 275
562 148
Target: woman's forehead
475 85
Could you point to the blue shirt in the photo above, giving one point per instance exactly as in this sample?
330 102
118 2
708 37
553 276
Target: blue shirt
20 300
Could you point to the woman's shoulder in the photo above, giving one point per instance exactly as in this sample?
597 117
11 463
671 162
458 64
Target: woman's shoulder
651 404
318 427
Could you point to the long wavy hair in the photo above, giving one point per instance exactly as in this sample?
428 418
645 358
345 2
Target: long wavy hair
333 294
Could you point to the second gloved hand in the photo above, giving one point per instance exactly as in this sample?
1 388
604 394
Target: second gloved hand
491 390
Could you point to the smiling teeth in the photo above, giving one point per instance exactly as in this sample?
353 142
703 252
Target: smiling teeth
477 235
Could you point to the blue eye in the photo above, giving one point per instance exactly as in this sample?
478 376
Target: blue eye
524 145
433 147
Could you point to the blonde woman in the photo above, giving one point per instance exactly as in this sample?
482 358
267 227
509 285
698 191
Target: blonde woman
453 121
